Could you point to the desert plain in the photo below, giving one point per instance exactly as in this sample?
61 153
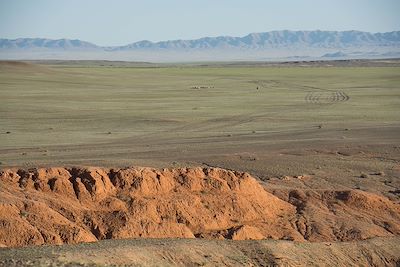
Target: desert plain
255 164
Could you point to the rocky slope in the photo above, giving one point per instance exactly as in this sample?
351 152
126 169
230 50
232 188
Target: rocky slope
72 205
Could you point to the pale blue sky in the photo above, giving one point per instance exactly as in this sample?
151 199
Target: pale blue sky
117 22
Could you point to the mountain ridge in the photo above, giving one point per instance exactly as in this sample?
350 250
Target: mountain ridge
27 43
262 40
264 46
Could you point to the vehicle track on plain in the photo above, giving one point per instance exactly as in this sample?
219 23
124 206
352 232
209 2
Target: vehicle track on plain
326 97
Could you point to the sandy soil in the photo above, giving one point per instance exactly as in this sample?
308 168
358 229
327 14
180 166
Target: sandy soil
200 252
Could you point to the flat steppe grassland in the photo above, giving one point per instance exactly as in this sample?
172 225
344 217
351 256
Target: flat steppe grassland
335 122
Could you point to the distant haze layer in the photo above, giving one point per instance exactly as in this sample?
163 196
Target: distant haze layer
274 45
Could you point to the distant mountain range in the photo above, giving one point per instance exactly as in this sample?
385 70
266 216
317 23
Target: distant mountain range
276 39
32 43
254 46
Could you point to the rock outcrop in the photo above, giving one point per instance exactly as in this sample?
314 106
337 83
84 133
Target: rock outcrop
72 205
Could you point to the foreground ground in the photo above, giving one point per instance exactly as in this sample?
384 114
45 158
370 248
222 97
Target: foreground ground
321 137
186 252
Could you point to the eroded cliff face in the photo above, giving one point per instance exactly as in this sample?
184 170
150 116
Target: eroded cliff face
72 205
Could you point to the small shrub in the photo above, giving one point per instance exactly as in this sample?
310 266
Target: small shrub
23 214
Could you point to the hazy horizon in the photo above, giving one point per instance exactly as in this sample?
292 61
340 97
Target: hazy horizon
121 22
182 39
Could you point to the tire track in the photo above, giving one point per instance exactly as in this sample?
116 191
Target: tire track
326 97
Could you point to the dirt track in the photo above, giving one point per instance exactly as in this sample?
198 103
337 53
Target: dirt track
326 97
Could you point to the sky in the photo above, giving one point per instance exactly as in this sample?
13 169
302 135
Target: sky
120 22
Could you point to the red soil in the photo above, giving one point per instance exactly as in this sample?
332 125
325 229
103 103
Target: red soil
61 205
